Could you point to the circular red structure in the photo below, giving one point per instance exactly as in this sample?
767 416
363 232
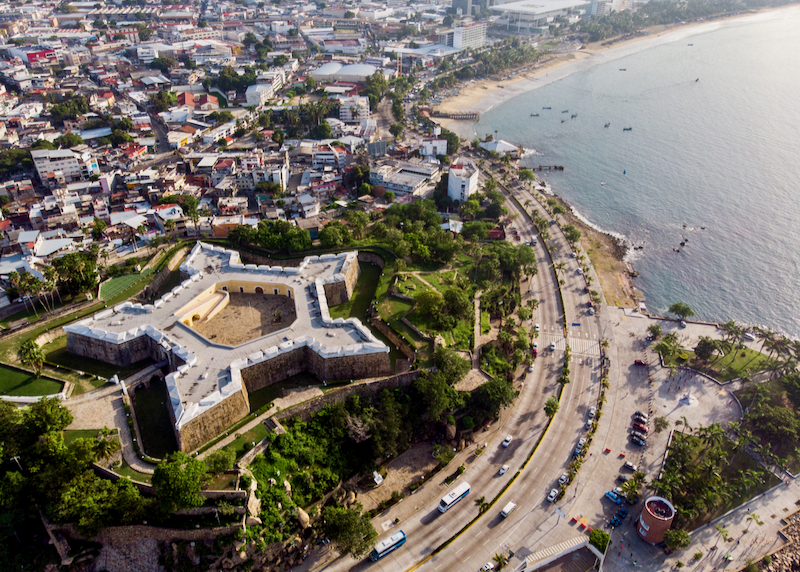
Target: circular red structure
655 520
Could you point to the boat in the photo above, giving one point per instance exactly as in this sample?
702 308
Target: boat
690 44
565 111
534 115
573 116
563 121
622 69
627 128
547 108
602 183
606 125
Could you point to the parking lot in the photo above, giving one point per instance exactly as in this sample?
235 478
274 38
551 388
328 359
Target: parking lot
650 389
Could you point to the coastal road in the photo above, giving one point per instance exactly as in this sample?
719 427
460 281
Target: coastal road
534 518
427 528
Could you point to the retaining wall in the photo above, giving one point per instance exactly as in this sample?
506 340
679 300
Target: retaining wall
124 354
368 389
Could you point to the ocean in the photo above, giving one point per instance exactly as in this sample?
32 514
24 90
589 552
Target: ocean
712 160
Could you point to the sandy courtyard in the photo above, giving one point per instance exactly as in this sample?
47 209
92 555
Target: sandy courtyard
247 317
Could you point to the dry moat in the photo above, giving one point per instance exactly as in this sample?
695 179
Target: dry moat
248 317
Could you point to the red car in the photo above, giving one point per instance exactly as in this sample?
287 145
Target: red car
640 362
640 427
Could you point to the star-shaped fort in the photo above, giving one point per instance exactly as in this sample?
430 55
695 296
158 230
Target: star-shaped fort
209 382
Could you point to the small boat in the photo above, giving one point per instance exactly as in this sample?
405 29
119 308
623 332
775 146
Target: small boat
534 115
547 108
689 44
683 243
573 116
622 69
602 183
698 79
565 111
606 125
563 121
627 128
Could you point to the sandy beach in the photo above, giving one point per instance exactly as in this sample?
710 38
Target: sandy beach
485 94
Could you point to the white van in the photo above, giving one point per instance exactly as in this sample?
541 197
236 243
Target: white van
508 509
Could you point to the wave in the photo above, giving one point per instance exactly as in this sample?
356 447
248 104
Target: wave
528 152
621 237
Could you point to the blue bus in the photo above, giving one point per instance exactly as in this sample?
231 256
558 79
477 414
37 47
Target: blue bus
453 497
384 547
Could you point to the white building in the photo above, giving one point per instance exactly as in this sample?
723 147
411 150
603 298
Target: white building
146 54
433 147
465 37
64 164
224 130
354 109
539 14
258 94
462 181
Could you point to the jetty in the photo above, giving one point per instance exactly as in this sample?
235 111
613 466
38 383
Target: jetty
460 116
548 168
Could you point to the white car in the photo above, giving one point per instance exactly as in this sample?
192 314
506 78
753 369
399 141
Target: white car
574 255
507 441
562 480
552 496
487 566
592 412
591 311
503 469
589 424
530 368
553 347
536 326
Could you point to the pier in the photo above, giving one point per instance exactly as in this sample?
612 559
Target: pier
460 116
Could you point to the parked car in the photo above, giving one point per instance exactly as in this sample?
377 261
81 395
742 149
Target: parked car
507 441
641 436
683 324
588 424
638 441
553 347
562 480
591 311
641 414
536 326
640 362
503 469
613 497
487 566
623 478
553 495
592 412
630 466
574 255
640 426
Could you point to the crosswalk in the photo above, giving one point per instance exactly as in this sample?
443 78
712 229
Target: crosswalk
578 346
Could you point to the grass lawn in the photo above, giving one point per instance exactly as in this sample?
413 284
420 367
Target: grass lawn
56 353
75 434
411 286
442 281
253 436
21 383
155 425
486 326
121 283
125 470
221 482
724 368
358 304
173 280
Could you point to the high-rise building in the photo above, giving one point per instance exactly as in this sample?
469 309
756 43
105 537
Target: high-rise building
465 37
462 181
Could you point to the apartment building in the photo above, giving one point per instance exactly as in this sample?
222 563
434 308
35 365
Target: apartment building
462 181
354 109
59 166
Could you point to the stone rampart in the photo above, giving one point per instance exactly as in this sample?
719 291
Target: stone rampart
163 274
302 359
211 423
121 354
371 258
340 292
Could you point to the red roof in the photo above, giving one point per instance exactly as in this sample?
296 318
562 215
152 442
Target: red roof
185 98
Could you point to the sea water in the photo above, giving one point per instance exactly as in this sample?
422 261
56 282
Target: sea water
712 160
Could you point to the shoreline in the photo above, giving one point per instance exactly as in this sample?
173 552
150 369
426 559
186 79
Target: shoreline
485 94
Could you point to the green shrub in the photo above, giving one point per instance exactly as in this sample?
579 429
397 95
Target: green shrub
767 559
698 555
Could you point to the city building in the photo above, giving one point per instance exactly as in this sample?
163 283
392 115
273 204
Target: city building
59 166
462 181
405 178
354 109
258 94
465 37
433 147
655 520
537 15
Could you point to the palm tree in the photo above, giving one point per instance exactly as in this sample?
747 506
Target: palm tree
105 447
31 355
751 518
559 267
51 275
712 436
501 560
482 505
685 423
